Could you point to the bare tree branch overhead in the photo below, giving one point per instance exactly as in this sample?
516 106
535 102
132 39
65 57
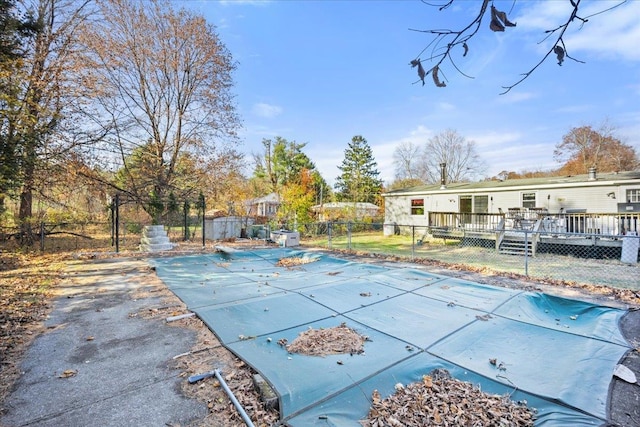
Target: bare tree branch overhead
452 45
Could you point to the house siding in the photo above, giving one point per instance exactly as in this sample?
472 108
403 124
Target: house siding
554 195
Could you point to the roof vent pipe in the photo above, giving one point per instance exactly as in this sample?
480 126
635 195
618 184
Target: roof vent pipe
592 173
443 176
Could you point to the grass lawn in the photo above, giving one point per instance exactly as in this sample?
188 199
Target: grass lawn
589 271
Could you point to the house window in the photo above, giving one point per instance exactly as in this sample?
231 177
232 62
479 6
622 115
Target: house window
417 206
633 196
481 204
528 200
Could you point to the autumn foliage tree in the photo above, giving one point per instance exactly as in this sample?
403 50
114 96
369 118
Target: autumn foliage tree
297 198
161 83
585 147
283 164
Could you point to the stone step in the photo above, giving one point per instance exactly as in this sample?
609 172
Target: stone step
154 239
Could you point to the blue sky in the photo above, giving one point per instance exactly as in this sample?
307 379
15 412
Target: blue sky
321 72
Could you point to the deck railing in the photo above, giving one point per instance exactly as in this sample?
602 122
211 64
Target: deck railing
464 221
611 224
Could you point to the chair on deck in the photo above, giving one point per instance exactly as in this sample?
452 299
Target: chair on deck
516 215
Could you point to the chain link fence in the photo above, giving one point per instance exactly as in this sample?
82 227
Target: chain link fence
591 259
608 260
91 236
120 229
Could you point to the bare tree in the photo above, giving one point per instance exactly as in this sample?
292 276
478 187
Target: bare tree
459 154
407 162
451 45
415 164
161 81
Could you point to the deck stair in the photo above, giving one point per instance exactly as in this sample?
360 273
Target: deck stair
516 245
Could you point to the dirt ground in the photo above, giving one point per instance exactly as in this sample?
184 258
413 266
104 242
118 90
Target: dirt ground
28 285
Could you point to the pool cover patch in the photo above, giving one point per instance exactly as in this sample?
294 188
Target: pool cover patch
557 354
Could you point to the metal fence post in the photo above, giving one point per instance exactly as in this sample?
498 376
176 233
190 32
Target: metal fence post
413 242
112 210
349 235
42 237
329 226
202 201
526 253
116 220
186 220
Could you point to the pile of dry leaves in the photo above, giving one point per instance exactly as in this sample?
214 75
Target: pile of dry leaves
293 261
442 400
321 342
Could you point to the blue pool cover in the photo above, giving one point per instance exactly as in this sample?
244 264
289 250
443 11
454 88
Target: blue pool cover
559 354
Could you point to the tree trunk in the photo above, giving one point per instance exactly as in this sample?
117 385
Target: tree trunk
25 213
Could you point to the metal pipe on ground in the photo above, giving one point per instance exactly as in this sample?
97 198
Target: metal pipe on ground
225 387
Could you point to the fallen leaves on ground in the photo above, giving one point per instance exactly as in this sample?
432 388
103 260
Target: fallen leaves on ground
441 400
26 284
508 279
206 355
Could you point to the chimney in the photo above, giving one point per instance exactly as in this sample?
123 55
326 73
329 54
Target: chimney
443 176
592 173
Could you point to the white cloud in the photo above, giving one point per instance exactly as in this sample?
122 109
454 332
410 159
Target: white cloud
266 110
243 2
446 106
418 135
498 140
511 152
542 15
383 154
326 160
613 34
383 151
223 24
572 109
513 97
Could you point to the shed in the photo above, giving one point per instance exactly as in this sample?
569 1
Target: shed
225 227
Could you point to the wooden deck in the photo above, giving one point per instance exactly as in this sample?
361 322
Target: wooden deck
526 231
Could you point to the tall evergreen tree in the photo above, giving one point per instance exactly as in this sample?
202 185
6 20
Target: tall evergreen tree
15 30
15 27
359 180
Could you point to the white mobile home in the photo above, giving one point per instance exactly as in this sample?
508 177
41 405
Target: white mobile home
591 193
